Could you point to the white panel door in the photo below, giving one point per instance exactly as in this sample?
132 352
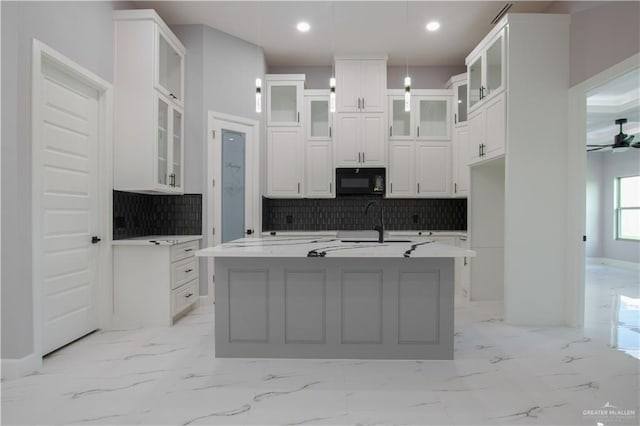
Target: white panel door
401 174
476 136
461 161
284 156
348 86
69 212
373 81
373 138
319 170
433 169
495 127
347 140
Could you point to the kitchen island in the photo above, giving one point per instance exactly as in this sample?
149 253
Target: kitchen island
322 297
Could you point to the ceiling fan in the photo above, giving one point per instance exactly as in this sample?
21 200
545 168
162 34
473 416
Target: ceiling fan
621 141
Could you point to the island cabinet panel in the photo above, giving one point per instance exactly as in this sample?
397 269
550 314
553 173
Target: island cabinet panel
248 305
323 307
361 307
418 301
305 306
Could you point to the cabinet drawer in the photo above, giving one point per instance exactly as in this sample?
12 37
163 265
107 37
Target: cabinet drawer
182 251
183 271
183 297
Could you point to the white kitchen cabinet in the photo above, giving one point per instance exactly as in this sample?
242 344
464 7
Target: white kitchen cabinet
486 70
401 174
361 84
460 161
319 171
487 130
148 115
285 161
462 272
419 169
153 284
433 169
284 99
432 117
318 120
429 118
359 140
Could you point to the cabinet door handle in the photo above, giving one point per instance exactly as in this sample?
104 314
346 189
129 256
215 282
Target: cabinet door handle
329 187
359 154
418 187
363 157
479 150
418 130
329 131
298 117
186 271
298 187
362 103
455 188
390 131
391 185
455 118
189 249
465 261
188 295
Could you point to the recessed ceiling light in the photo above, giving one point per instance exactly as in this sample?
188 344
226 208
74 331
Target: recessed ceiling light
433 26
303 27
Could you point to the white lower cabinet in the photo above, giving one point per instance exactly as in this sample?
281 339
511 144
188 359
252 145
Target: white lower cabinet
285 161
419 169
319 170
154 284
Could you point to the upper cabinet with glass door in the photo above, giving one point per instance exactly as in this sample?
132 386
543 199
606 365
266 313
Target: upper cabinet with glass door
486 70
170 67
148 104
317 118
284 99
428 119
400 123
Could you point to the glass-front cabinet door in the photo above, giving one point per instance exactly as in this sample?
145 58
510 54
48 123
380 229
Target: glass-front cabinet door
162 149
433 118
169 69
461 104
494 59
474 72
176 160
284 99
399 119
318 118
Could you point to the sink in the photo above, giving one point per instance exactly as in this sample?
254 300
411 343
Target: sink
374 240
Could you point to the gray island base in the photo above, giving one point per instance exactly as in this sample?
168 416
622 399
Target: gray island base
373 302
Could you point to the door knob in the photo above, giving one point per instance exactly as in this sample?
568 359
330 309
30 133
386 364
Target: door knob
95 240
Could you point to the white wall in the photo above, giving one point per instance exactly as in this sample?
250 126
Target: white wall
602 170
82 31
220 76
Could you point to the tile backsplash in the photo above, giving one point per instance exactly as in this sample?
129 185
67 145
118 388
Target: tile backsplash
138 215
347 213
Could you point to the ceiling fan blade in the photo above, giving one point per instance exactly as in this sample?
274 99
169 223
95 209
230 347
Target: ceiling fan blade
635 145
600 146
628 139
598 149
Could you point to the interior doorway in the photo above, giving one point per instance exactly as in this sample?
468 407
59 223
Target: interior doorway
233 208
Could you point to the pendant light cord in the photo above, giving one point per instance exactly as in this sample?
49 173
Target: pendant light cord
406 29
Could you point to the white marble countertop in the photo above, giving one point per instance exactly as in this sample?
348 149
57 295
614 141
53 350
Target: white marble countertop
423 233
290 247
157 240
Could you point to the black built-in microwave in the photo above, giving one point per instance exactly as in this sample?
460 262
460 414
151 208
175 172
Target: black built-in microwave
364 181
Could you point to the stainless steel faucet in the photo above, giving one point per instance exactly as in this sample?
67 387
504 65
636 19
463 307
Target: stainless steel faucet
380 227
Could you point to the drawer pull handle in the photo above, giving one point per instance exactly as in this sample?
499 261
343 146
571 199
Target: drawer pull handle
189 249
187 271
188 295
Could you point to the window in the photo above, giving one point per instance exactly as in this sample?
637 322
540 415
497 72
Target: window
628 208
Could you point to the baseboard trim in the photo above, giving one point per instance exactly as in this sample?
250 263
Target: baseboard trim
13 368
632 266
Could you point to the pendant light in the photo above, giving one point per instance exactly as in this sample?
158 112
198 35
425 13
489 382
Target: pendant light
258 79
407 79
332 80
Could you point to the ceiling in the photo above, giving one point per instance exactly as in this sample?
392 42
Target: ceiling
619 98
343 27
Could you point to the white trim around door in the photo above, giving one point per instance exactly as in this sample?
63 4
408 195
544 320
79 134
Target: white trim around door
42 55
253 217
576 184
